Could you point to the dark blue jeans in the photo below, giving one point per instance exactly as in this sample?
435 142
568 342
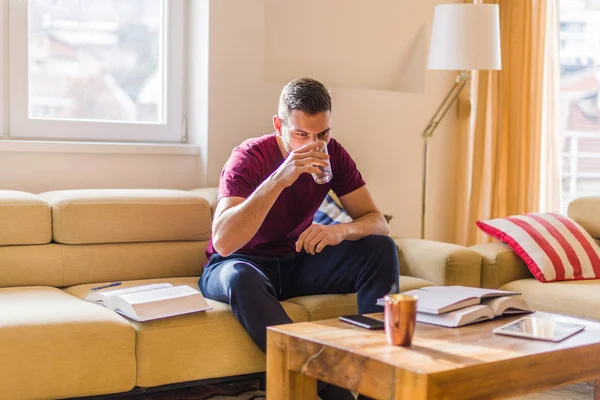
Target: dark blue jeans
254 286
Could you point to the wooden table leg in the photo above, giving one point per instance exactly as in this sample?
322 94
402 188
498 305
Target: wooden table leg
597 389
283 384
302 387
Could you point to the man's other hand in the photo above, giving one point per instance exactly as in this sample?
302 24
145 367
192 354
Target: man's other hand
314 239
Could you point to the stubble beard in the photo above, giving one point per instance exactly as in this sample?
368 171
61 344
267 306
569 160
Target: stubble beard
286 144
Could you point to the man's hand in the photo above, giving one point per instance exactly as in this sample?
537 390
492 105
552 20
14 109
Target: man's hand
299 161
314 239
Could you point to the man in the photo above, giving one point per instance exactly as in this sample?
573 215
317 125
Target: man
264 247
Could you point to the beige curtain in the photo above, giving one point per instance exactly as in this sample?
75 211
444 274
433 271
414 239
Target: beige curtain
501 122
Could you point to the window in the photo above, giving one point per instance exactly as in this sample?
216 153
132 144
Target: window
96 70
573 27
580 98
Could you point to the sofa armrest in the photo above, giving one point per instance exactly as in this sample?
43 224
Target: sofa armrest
440 263
208 193
500 265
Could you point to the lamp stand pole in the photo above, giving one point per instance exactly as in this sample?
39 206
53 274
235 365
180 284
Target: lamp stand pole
461 80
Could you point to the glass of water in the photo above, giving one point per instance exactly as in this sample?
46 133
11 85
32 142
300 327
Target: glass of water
326 173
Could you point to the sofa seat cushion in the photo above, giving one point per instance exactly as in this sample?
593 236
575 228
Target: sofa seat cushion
24 219
203 345
54 345
575 298
128 215
327 306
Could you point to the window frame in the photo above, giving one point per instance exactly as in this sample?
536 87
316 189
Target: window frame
576 153
20 126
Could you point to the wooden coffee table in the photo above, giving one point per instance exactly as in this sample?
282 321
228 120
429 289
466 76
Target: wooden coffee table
443 363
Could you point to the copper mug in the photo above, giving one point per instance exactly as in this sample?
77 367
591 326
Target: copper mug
400 318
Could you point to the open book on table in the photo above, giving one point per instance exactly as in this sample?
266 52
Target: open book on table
443 299
154 301
488 309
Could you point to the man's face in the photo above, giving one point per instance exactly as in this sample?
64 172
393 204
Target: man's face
301 129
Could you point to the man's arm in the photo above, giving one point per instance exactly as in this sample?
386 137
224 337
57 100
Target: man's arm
367 220
237 220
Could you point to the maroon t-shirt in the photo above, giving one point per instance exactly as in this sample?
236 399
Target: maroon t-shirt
256 159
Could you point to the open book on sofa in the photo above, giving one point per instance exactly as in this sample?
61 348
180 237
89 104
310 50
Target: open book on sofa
148 302
488 309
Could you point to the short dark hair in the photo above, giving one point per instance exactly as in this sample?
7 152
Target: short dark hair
304 94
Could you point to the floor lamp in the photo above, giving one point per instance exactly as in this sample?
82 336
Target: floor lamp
464 37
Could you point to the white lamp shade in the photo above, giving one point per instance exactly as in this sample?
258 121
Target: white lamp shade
465 37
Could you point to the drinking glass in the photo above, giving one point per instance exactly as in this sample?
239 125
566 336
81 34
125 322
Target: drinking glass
326 173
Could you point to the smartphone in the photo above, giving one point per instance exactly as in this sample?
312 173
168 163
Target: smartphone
363 322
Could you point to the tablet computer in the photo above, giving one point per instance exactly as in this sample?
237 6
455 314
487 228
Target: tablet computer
540 328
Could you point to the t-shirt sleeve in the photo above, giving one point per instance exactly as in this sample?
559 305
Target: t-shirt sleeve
346 176
239 176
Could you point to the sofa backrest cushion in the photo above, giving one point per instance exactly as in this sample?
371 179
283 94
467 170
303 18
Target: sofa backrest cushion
128 216
24 219
90 263
586 212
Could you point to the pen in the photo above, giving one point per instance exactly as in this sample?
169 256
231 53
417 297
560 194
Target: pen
106 286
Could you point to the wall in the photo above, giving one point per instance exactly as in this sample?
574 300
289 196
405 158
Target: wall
379 124
35 167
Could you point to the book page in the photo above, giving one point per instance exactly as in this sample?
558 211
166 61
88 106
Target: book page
441 301
458 318
171 307
158 295
124 308
468 291
103 297
136 289
508 305
130 315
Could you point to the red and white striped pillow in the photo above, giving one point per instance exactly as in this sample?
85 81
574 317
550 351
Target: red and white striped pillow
554 247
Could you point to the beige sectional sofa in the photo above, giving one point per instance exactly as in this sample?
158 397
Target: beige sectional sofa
502 268
55 246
